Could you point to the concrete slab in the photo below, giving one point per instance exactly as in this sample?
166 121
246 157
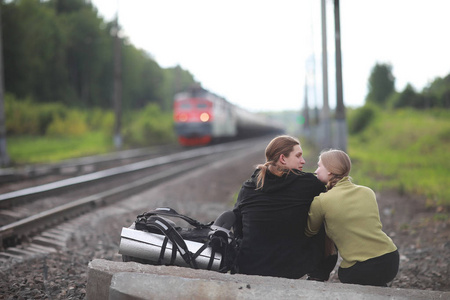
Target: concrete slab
130 280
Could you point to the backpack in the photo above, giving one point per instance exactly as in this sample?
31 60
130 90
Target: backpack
155 239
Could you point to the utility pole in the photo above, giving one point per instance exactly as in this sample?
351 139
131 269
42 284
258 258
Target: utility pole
306 124
325 113
117 85
4 158
340 107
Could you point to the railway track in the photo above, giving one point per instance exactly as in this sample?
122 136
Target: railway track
31 175
28 212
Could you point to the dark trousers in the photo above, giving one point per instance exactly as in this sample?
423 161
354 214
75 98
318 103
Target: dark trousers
376 271
328 262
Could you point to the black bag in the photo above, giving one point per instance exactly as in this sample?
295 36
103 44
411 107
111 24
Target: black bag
215 239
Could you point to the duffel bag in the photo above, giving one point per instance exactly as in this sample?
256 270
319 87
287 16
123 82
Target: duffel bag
155 239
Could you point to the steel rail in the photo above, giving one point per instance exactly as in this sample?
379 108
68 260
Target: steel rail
38 222
34 224
77 165
10 198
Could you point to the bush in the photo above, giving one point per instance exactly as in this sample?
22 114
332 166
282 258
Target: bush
101 120
73 125
25 117
149 127
21 117
361 118
46 114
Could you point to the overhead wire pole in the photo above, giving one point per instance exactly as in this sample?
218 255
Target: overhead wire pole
117 97
306 124
4 157
341 128
325 112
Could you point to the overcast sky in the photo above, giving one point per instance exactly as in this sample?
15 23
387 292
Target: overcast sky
255 53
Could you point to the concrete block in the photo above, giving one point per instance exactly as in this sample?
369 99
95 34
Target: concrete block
130 280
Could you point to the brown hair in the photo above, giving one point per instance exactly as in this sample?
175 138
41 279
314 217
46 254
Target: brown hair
282 144
338 163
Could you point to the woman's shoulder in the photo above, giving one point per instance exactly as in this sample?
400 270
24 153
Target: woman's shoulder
304 176
313 178
365 189
307 175
361 188
309 182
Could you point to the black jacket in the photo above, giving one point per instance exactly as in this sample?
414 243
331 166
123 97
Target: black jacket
271 222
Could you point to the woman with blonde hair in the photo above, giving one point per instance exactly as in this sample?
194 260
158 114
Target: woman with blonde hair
352 222
271 213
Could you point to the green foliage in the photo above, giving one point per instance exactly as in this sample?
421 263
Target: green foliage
381 84
62 51
37 149
149 127
142 77
438 93
175 80
25 117
74 124
20 119
33 50
360 118
100 120
89 52
33 130
405 150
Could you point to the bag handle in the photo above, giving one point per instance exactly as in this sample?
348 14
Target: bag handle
169 212
172 234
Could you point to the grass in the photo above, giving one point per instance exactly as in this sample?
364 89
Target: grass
405 150
33 149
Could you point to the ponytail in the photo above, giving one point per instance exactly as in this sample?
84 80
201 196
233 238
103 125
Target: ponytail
333 180
262 174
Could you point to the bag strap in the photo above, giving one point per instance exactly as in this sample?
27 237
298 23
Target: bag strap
169 212
172 234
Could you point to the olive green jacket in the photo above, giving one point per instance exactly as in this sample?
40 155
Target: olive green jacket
352 221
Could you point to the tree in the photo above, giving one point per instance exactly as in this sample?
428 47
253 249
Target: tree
438 92
62 51
409 98
89 52
381 84
34 50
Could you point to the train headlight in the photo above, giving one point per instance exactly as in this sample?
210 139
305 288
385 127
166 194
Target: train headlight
204 117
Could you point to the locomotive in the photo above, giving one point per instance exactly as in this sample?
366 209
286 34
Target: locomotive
202 117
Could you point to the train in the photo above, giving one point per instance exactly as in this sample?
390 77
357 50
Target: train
202 117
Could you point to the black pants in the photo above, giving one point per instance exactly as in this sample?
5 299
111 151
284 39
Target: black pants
376 271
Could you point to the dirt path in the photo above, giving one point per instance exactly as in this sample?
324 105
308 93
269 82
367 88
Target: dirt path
423 239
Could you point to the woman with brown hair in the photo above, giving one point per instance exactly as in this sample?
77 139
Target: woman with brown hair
271 213
352 222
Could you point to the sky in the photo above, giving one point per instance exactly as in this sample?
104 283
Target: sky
261 54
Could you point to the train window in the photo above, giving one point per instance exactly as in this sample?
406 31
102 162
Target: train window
185 106
202 105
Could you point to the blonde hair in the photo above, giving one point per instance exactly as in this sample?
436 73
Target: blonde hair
338 163
283 144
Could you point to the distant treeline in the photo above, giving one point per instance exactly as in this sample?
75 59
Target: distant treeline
382 91
62 51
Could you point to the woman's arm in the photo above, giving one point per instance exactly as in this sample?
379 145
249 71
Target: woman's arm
315 218
237 227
